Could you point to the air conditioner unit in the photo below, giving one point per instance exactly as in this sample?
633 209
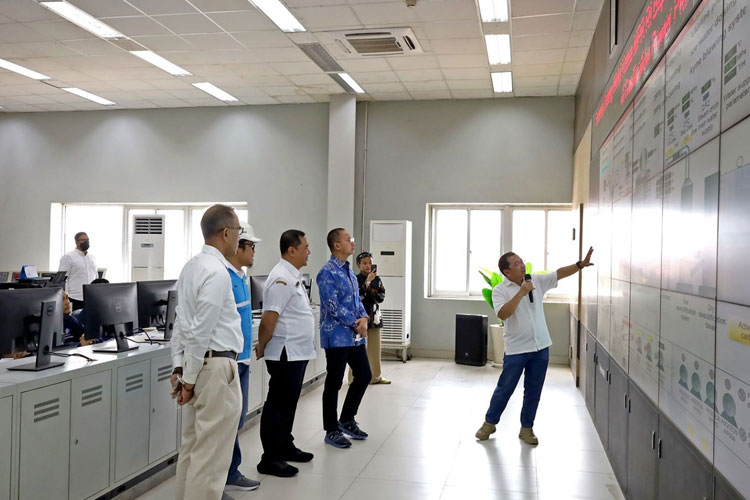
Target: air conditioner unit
147 252
377 42
390 245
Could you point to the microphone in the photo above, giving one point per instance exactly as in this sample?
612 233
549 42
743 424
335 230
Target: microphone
527 277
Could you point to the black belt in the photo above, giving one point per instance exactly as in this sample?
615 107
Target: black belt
221 354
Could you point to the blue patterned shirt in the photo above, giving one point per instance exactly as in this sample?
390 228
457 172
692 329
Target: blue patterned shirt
340 305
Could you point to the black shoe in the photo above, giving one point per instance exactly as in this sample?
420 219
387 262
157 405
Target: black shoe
277 468
337 439
352 430
298 456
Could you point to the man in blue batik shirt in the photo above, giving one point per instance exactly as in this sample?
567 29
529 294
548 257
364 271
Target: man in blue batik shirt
244 257
343 329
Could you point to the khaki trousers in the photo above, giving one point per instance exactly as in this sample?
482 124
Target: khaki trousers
209 427
373 355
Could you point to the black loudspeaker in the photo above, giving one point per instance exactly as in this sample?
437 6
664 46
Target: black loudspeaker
471 339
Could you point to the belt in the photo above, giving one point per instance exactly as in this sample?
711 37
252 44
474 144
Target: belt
221 354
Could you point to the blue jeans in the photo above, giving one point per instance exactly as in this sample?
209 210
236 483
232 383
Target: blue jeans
535 366
244 372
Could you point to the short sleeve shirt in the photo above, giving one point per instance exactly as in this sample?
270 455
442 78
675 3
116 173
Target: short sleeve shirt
525 329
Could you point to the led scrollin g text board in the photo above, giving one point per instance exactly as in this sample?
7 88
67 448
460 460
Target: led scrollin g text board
659 24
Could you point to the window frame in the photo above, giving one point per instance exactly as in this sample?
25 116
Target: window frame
506 241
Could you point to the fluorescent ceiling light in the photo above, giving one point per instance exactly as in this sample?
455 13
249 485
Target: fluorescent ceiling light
279 14
502 82
160 62
498 48
82 19
215 91
493 11
89 96
350 81
22 71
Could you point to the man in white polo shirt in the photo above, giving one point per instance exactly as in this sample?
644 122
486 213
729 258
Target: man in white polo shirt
285 338
518 302
81 268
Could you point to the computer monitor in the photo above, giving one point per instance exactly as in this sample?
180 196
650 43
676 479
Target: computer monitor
111 310
30 320
4 276
55 277
154 305
257 284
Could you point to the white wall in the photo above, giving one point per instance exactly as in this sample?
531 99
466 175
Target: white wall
501 150
273 157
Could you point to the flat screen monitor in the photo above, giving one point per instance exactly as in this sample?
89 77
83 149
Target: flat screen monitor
31 319
111 311
152 302
257 284
4 276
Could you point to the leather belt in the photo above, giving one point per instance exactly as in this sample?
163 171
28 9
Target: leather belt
221 354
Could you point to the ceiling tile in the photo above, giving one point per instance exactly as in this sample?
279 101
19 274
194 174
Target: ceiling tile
568 80
259 100
428 85
585 20
384 87
295 99
60 30
380 14
47 49
151 94
183 24
282 90
539 57
327 18
169 103
465 61
213 41
581 38
19 33
431 94
535 91
375 77
10 51
538 69
589 5
466 73
136 26
536 81
452 29
567 90
291 54
446 10
93 47
365 64
457 46
314 79
471 94
107 8
26 12
413 62
556 23
419 75
246 20
152 7
520 8
539 42
167 43
265 38
170 84
572 68
222 5
191 93
296 68
576 54
480 84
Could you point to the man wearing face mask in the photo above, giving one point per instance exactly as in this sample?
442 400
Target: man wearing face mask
81 268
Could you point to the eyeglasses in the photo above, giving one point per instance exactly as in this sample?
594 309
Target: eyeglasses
246 243
240 230
350 240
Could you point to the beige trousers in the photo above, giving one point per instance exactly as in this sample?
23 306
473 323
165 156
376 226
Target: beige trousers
209 426
373 355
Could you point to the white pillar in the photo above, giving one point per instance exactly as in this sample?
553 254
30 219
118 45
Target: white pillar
341 143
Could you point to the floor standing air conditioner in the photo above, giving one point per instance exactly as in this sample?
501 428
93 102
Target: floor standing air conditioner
147 254
390 245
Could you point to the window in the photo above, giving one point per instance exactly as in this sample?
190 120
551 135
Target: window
466 238
110 228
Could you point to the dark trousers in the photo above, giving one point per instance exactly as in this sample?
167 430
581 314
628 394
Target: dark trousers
336 360
534 367
76 304
277 420
243 370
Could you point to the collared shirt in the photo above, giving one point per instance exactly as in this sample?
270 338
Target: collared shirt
207 317
525 329
285 294
81 269
340 305
241 292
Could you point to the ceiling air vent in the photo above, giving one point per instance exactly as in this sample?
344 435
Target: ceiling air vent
378 42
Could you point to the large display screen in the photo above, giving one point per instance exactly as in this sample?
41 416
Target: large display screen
620 322
736 63
645 352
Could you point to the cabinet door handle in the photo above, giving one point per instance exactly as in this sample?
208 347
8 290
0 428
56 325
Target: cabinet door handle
659 450
626 401
653 440
629 401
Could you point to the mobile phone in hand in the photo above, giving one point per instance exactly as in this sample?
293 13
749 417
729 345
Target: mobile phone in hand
374 268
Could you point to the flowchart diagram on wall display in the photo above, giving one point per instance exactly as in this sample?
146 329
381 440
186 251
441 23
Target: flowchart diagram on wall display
620 322
688 379
734 210
691 190
732 456
736 70
603 312
693 84
644 363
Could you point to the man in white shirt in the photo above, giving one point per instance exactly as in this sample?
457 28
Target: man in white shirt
285 338
205 344
81 268
518 303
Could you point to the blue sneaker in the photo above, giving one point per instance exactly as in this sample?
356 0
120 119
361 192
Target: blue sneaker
352 429
335 438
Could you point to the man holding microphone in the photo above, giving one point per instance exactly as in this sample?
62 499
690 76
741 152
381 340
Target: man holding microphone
518 302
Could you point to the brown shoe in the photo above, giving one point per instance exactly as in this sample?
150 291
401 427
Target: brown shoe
484 432
527 436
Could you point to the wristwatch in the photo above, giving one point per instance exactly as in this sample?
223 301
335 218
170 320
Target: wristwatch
177 371
579 264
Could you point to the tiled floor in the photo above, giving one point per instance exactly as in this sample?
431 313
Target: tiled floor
422 444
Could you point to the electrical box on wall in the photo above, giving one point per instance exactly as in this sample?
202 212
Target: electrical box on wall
147 251
390 245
